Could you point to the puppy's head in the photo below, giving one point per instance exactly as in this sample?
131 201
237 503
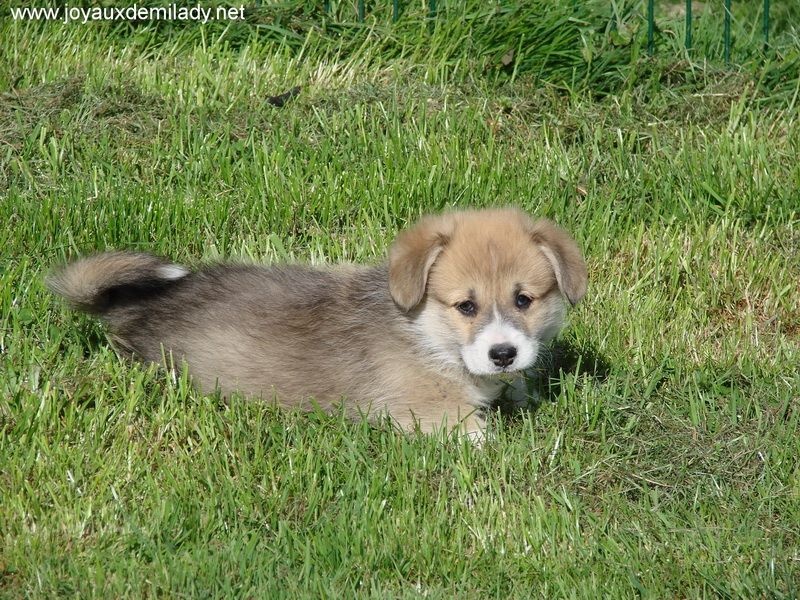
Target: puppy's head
486 288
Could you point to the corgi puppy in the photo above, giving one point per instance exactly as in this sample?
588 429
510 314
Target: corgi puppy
465 302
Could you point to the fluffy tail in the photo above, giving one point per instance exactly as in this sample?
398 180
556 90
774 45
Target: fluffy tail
95 284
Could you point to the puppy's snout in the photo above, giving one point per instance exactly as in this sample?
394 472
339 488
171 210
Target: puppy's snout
502 354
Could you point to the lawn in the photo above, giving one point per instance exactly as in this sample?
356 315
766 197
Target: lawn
662 460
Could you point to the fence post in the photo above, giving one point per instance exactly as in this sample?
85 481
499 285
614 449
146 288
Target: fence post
431 14
651 25
688 41
727 32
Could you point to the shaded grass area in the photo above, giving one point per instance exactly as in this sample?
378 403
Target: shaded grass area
590 45
663 462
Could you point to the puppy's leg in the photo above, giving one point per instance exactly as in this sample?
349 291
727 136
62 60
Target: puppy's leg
473 427
416 397
436 419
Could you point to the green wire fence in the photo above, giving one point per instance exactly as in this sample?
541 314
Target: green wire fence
651 22
360 9
726 32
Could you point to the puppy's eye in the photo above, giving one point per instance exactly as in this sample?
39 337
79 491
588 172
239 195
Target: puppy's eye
522 301
467 308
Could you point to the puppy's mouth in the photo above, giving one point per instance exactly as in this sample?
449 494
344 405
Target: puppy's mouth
499 349
493 371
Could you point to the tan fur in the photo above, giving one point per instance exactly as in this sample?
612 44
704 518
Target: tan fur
386 339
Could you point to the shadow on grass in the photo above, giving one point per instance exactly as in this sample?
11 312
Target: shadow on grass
546 381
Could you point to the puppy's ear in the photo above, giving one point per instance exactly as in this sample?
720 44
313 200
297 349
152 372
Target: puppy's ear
564 256
412 255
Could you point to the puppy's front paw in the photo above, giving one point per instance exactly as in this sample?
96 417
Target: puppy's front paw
473 428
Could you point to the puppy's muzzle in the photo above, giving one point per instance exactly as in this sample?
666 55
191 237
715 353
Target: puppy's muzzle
502 355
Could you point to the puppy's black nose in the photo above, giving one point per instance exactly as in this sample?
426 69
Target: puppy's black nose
502 354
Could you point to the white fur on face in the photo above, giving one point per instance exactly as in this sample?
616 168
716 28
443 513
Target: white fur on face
443 348
476 355
437 339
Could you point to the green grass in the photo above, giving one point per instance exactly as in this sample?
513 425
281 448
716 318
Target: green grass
663 462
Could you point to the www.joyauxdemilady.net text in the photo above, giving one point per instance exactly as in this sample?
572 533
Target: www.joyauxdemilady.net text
172 12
